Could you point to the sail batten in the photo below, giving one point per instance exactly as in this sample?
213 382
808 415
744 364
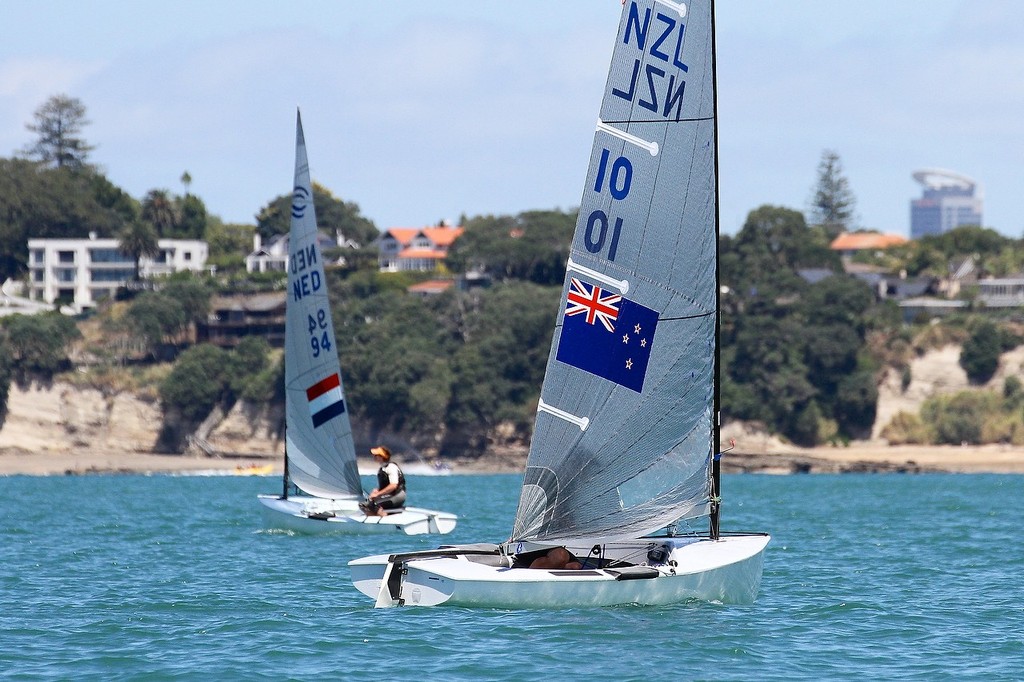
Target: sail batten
634 349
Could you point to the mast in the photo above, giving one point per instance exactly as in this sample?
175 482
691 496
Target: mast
716 419
284 477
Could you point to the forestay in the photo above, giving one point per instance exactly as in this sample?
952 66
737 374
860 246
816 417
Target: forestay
624 433
320 450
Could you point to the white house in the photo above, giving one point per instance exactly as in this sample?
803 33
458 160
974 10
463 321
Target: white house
82 272
274 255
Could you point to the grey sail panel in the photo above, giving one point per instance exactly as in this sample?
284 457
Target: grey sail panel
623 435
321 452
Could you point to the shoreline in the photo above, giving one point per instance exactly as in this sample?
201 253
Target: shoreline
856 458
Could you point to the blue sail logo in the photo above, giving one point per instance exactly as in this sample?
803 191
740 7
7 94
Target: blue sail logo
299 199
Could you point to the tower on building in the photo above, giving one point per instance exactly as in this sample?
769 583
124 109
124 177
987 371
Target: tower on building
947 202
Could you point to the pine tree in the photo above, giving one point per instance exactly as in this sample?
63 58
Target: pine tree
832 206
58 124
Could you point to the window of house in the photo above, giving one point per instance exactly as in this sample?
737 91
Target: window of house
113 275
66 256
108 256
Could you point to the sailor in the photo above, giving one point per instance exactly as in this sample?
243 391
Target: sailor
557 558
390 490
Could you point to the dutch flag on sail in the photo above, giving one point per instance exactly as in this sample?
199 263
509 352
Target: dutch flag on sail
325 399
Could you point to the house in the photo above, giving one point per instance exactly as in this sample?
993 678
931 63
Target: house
1001 292
423 249
850 243
273 256
962 273
930 308
887 284
431 287
82 272
232 318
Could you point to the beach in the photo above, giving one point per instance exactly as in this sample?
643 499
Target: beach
865 458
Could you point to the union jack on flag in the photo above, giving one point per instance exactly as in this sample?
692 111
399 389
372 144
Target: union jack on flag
592 302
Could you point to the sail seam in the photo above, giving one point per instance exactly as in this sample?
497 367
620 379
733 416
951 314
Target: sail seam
654 120
686 317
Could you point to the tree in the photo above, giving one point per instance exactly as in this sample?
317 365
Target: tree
196 384
191 213
154 316
857 404
138 239
979 355
774 243
332 215
533 246
229 244
159 211
191 293
38 344
246 365
958 418
6 372
58 124
389 343
766 362
498 370
56 203
833 202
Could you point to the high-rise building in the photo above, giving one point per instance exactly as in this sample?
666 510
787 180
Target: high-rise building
948 201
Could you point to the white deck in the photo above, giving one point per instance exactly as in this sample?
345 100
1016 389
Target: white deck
313 515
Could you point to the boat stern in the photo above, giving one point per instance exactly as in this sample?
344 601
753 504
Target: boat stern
389 583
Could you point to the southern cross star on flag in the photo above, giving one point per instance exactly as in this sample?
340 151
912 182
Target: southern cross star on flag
606 334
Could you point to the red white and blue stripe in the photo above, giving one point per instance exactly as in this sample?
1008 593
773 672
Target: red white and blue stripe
325 399
592 302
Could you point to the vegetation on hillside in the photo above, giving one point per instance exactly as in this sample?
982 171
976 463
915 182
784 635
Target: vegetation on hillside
803 345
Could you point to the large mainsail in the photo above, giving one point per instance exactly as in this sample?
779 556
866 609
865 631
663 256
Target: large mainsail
624 435
320 450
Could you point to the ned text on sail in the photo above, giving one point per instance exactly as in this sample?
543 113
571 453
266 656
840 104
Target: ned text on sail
304 283
657 85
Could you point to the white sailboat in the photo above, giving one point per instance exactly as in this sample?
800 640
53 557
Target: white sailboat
320 456
626 436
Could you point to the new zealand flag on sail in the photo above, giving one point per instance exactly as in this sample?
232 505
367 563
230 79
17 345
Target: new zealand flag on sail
607 335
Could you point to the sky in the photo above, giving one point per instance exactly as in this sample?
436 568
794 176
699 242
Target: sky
427 111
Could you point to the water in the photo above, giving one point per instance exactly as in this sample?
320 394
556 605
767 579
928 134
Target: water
867 577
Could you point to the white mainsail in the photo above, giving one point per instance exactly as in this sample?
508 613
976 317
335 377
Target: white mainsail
319 446
624 435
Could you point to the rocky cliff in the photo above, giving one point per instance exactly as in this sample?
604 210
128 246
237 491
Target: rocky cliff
63 418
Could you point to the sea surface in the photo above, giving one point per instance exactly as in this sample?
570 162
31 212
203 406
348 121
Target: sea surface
881 577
